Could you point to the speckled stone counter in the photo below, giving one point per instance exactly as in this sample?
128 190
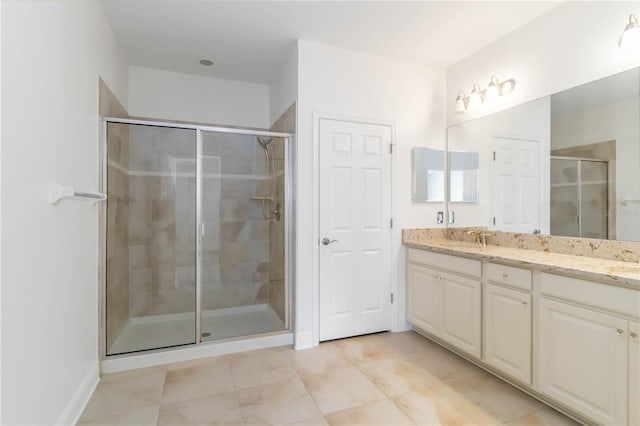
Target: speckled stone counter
610 269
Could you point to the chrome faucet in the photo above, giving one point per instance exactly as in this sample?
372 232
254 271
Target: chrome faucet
476 236
483 237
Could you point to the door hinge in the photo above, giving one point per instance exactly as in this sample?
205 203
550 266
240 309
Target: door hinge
391 297
391 222
390 148
494 156
494 220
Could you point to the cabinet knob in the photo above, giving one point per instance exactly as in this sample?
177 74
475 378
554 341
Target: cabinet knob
633 335
505 275
524 302
619 331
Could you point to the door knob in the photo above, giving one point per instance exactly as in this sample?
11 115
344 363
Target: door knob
327 241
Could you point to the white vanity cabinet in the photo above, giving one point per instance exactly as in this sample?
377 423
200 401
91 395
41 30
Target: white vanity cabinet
444 299
507 331
587 353
634 373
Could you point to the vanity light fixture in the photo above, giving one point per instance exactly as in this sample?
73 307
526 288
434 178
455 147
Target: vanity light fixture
478 96
630 38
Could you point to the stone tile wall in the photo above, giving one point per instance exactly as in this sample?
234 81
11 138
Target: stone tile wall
117 258
277 294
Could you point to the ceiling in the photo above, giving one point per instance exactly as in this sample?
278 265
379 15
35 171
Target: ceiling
250 40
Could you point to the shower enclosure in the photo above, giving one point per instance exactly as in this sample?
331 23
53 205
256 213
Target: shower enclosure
579 197
197 234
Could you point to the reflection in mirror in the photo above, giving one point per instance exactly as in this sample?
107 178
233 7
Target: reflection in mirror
595 159
580 149
428 175
464 172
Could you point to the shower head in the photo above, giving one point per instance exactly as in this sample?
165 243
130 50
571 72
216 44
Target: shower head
264 141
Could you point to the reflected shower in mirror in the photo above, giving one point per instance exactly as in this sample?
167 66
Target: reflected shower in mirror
428 175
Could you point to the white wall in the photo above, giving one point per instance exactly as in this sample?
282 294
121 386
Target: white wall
618 122
52 55
339 81
284 91
527 121
186 97
572 44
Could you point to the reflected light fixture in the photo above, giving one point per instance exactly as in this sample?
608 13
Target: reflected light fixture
630 37
494 90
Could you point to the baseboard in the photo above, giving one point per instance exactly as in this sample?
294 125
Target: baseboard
73 410
303 340
401 325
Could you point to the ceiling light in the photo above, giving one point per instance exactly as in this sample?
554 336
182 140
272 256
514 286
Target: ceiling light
206 62
630 38
475 97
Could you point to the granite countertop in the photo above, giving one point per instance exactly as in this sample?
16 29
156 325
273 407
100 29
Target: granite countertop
613 272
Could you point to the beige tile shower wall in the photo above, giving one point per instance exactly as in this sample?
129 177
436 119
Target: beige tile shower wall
277 295
161 221
117 263
236 240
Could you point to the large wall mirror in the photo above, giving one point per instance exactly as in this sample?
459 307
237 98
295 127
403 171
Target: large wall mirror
566 164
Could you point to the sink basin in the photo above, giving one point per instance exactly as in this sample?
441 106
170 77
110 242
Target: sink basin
624 269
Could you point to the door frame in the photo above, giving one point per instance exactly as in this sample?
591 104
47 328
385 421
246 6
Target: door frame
395 231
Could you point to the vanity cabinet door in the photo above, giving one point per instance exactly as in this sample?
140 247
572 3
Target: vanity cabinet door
634 373
583 360
460 307
507 336
422 298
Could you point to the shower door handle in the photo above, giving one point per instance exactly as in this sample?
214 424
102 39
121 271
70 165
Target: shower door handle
327 241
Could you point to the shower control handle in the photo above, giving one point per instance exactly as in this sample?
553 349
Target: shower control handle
327 241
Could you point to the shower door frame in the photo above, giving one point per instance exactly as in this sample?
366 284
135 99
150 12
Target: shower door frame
579 161
289 220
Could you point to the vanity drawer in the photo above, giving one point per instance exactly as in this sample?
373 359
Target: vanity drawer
615 299
509 275
455 264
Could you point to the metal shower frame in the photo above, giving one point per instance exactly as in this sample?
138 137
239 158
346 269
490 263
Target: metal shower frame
289 219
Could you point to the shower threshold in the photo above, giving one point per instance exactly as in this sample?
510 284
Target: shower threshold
158 331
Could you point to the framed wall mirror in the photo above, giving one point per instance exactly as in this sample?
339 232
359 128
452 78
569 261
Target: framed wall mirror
566 164
428 175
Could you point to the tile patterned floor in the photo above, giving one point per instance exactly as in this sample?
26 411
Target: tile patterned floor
382 379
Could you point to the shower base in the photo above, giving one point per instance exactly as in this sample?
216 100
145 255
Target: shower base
158 331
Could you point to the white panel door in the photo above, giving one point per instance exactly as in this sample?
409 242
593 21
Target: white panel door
634 373
422 298
507 336
460 320
583 360
354 216
516 185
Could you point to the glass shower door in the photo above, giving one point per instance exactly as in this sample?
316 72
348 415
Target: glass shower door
565 205
594 199
151 237
242 210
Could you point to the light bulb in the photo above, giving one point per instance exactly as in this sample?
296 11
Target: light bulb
475 97
630 38
460 105
507 87
492 91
